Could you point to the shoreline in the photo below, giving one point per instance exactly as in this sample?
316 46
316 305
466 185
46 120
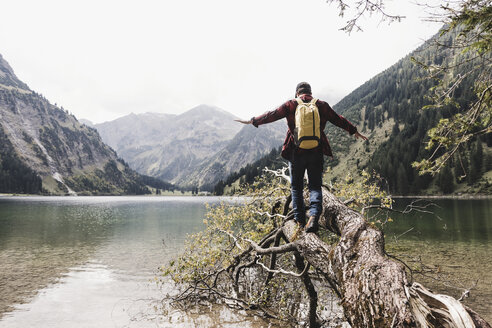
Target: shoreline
455 196
463 196
108 195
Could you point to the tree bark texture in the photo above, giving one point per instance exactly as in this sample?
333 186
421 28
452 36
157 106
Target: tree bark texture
374 289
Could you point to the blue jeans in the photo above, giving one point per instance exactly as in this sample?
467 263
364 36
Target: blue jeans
312 161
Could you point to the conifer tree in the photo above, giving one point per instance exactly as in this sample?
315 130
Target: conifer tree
445 180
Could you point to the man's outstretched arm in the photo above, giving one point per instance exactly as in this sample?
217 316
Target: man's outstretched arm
341 122
245 122
268 117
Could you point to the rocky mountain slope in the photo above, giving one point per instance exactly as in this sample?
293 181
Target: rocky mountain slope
45 149
196 148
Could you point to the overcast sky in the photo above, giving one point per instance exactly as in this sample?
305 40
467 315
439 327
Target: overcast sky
103 59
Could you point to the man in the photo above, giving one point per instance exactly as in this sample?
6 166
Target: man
301 159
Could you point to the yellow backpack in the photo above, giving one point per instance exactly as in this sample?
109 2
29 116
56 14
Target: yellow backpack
307 131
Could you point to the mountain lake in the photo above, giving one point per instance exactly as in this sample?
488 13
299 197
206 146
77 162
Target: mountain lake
92 261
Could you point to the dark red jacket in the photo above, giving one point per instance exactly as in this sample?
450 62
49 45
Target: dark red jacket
288 110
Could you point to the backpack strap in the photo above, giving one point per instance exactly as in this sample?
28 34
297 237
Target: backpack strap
300 101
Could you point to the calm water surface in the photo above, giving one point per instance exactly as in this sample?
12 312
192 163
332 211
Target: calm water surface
453 247
89 261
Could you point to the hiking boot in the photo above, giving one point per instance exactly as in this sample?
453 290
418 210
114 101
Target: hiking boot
300 223
312 225
299 228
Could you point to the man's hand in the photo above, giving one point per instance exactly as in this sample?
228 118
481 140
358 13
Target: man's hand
358 135
245 122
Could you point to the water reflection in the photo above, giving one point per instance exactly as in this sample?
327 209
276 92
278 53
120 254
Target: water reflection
452 220
39 242
42 238
453 246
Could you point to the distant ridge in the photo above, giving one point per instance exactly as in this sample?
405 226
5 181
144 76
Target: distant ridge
193 149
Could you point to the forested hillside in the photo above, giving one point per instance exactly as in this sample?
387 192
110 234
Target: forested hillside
389 110
15 176
248 145
248 173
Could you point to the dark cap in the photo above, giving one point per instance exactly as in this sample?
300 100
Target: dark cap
303 88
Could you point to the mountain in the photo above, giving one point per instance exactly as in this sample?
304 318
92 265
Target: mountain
247 146
44 149
192 149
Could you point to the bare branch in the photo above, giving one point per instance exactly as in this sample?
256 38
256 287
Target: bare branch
402 234
270 215
409 208
233 237
279 173
290 273
272 250
360 9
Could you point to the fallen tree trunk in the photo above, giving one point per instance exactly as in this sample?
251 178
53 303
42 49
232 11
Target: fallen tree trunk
246 256
374 289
